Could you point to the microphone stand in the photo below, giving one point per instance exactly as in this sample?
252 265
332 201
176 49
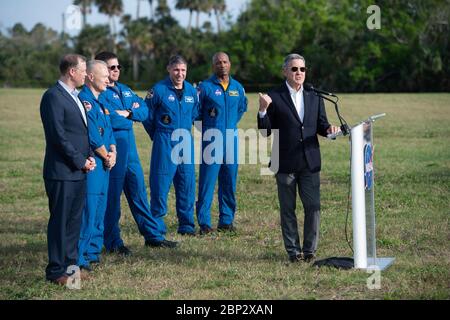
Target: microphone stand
344 126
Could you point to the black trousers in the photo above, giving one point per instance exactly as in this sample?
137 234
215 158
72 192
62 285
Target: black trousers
308 185
66 200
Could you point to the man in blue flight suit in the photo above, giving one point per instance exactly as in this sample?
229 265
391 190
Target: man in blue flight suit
102 141
172 108
127 174
222 104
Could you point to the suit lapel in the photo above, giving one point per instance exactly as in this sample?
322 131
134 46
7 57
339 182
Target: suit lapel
307 96
68 97
286 96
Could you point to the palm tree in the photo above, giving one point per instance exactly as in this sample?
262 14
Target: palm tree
197 6
137 34
111 8
150 2
85 7
186 5
138 8
163 9
92 40
219 8
202 6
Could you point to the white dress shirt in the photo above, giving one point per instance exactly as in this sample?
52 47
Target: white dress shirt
297 99
74 94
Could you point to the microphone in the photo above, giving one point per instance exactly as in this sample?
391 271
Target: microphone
345 129
310 87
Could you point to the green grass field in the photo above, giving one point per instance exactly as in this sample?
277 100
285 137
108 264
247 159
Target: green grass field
412 163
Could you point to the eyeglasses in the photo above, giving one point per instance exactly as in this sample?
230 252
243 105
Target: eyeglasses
114 67
295 69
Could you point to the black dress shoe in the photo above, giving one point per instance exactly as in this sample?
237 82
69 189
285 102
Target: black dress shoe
122 250
206 230
161 244
309 257
296 258
191 234
226 228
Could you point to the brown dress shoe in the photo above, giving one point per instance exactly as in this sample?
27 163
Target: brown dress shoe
62 281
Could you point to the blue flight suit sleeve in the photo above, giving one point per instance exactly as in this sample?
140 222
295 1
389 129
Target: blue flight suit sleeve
201 96
140 111
119 122
112 140
243 102
152 101
95 138
196 108
54 125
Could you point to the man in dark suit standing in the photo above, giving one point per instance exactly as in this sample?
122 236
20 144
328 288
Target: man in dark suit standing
299 116
67 159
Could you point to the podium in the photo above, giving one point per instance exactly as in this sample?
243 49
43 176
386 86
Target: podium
363 198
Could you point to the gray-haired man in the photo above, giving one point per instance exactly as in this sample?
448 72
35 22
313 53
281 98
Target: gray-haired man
298 115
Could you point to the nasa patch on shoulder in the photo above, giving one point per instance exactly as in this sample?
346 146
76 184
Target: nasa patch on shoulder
87 106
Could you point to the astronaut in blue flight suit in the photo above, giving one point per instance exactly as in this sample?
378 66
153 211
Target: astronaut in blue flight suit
222 104
103 144
127 175
173 106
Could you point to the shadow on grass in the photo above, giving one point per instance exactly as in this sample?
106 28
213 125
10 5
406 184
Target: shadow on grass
210 255
22 228
29 252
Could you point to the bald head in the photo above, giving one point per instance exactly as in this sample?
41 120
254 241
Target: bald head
221 65
97 76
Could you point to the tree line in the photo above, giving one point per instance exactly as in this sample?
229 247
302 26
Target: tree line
410 51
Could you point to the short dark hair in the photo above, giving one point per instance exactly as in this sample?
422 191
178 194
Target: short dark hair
105 56
69 61
177 59
217 54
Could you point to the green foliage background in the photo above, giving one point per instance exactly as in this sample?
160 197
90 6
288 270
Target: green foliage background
409 53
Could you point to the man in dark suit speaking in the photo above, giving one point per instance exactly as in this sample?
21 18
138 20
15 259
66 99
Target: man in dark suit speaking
67 159
298 115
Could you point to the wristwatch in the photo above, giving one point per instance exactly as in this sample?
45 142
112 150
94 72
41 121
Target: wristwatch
130 114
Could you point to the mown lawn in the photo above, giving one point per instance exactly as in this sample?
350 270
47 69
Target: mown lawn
412 163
